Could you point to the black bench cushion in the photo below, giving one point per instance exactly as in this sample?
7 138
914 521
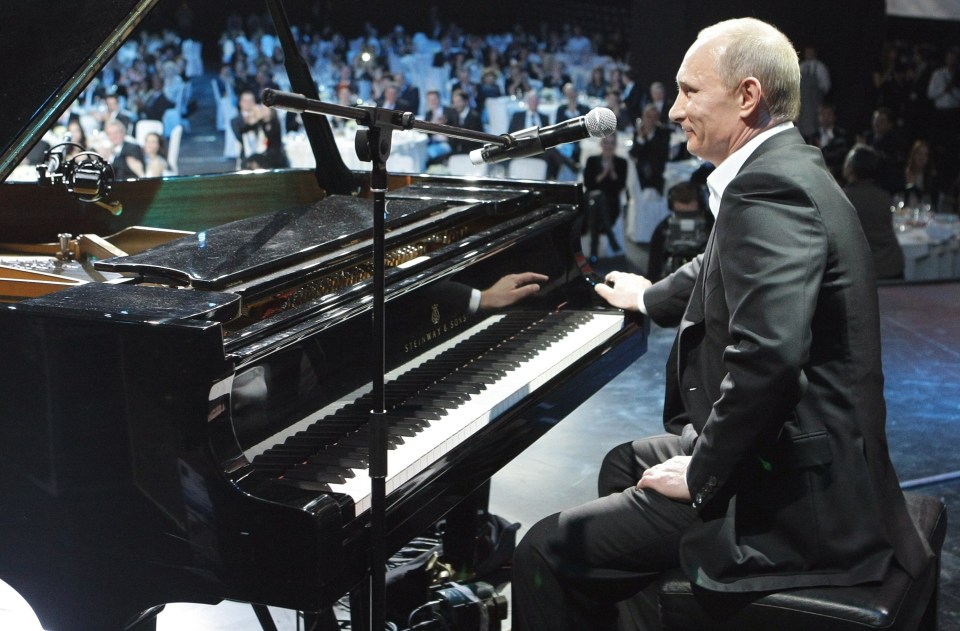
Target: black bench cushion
897 603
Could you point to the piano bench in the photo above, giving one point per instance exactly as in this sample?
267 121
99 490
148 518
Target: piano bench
899 603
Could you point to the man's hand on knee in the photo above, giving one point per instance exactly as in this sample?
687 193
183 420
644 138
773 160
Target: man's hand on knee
668 478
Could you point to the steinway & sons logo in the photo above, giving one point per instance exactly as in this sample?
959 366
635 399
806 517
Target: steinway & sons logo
439 329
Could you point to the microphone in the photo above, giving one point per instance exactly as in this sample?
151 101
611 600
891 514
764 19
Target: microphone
56 156
288 101
599 122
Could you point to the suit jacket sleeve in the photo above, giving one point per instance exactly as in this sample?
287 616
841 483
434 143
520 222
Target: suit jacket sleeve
770 256
666 300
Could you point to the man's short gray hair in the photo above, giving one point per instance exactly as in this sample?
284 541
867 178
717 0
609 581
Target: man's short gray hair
751 48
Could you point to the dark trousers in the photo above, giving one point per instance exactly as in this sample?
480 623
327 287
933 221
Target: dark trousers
572 569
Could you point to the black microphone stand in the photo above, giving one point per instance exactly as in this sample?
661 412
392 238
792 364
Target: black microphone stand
373 145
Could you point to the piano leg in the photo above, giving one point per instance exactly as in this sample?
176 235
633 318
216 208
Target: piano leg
461 533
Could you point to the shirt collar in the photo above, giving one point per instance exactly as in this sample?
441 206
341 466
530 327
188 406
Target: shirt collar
718 180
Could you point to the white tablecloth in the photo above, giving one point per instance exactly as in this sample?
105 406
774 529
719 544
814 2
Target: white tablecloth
932 252
407 155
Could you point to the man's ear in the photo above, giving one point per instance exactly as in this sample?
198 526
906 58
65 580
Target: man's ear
750 98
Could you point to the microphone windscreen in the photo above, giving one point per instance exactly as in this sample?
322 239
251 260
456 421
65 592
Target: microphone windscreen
600 122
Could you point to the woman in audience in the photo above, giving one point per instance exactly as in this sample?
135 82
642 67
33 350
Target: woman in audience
920 177
597 88
154 156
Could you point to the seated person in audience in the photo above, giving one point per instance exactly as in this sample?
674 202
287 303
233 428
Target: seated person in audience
651 149
518 80
153 100
467 118
571 108
154 156
888 140
604 178
114 112
670 244
612 103
408 95
125 157
389 100
833 140
258 130
77 136
597 87
657 95
488 88
468 87
438 146
872 204
530 117
264 79
921 184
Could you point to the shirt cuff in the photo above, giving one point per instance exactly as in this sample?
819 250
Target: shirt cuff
642 307
474 305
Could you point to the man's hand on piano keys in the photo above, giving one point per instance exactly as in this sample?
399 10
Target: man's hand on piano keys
623 290
510 289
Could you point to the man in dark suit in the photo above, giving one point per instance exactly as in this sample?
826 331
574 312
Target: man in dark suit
775 473
126 157
467 118
529 117
833 140
651 149
872 204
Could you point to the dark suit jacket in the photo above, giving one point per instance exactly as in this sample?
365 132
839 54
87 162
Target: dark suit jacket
651 157
120 169
519 121
472 122
611 189
872 204
777 367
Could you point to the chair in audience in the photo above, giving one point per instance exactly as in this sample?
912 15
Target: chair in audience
173 149
144 127
527 169
460 164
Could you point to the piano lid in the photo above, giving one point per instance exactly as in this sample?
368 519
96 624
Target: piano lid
51 52
240 250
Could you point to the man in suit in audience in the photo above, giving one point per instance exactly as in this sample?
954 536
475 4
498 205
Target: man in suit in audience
872 204
529 117
651 149
833 140
571 108
408 95
126 157
775 472
438 146
467 118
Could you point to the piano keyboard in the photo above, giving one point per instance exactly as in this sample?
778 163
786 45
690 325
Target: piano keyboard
436 404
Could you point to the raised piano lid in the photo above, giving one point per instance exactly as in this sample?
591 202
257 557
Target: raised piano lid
50 54
241 250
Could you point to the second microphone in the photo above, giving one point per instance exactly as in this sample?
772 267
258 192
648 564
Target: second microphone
597 123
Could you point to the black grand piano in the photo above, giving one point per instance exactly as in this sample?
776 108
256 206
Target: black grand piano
184 388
